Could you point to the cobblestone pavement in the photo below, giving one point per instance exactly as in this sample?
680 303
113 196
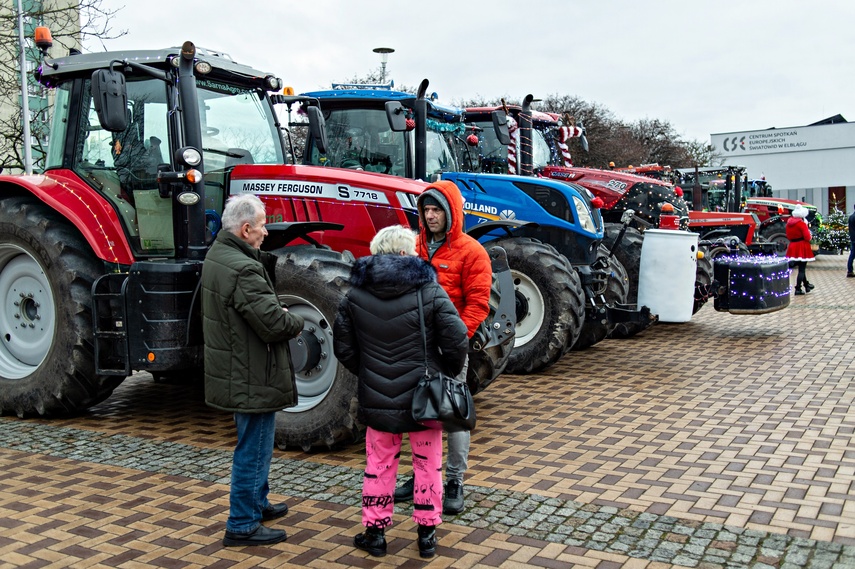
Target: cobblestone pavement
727 441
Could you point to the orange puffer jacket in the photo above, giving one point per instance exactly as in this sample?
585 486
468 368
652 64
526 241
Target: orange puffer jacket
462 264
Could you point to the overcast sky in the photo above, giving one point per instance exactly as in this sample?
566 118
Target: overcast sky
706 67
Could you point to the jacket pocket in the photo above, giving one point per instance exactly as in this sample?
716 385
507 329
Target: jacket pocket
270 367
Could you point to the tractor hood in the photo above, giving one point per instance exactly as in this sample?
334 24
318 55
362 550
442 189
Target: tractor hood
776 202
621 191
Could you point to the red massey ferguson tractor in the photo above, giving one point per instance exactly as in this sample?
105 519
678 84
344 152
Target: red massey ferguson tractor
101 254
728 189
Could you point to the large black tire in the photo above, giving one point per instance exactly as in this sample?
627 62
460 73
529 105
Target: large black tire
777 233
312 281
486 364
703 279
629 255
47 364
550 304
614 287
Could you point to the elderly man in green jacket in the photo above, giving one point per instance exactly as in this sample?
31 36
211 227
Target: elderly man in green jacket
248 367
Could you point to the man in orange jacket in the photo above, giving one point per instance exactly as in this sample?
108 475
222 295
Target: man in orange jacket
465 272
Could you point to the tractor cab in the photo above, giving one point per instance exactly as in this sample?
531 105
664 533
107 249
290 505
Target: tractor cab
362 137
494 157
121 127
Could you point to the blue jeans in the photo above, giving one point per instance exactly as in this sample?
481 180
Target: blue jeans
458 444
851 257
250 467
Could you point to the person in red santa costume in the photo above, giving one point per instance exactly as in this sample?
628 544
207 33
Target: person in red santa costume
799 252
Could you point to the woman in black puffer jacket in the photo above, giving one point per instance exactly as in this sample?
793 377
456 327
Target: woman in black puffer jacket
378 338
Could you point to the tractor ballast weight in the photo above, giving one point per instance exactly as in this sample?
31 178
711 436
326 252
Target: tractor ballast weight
746 284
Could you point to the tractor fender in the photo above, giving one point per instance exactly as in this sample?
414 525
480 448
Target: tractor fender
281 233
773 220
508 225
83 207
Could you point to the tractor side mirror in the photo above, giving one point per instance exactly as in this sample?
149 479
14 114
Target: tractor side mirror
317 126
500 125
110 98
397 115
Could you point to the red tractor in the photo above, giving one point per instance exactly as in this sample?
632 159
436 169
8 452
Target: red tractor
728 189
773 214
654 171
101 254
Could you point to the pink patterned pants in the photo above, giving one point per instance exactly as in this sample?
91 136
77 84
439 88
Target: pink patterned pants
382 455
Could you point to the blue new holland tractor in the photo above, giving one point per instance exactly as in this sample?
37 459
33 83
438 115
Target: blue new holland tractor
570 292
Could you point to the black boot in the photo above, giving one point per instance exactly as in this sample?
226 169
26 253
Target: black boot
452 500
372 540
427 541
808 287
799 291
404 493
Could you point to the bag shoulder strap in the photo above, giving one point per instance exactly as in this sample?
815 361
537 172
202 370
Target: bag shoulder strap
422 326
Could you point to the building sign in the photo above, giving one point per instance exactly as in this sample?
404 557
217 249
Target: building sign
778 140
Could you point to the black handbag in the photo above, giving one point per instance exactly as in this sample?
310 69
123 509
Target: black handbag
439 400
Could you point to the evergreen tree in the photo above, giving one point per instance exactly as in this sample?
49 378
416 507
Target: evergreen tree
834 231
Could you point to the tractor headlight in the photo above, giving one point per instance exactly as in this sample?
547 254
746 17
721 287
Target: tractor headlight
586 219
188 156
203 67
272 83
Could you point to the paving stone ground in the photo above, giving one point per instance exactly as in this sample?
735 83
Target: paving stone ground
726 441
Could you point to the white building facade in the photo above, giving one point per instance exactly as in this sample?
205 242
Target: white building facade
811 163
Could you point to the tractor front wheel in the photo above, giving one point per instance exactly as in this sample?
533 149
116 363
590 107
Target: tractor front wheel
550 306
487 363
777 233
47 269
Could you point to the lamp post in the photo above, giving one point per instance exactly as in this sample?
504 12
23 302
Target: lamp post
384 57
25 96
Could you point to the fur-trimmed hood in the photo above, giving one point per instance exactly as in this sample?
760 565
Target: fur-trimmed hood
390 276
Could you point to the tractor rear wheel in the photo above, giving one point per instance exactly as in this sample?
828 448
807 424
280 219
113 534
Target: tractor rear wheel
629 255
312 281
550 304
47 364
777 233
614 287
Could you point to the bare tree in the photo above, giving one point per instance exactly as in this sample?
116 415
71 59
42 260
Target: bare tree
72 22
702 154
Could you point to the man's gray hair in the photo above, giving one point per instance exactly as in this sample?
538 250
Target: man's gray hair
393 240
240 209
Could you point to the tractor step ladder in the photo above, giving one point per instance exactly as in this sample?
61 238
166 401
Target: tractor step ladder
109 315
